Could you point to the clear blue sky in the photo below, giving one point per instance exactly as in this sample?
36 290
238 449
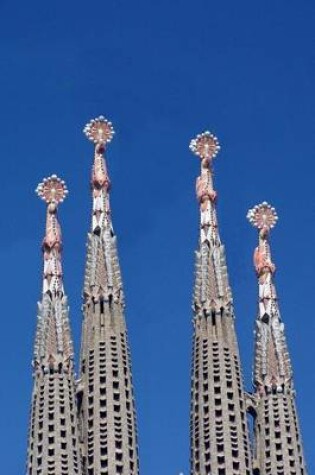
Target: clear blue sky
162 71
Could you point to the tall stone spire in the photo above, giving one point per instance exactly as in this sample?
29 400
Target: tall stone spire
219 433
106 400
53 437
278 444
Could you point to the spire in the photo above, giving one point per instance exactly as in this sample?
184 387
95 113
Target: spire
102 279
53 191
106 402
53 436
218 427
277 442
272 365
212 287
53 333
100 131
206 146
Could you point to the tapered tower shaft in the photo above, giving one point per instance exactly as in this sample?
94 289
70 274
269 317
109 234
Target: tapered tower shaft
278 444
107 409
53 436
219 434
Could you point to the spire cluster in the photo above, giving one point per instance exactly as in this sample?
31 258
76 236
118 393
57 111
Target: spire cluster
218 398
88 426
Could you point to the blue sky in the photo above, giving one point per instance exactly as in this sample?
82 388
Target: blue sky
162 72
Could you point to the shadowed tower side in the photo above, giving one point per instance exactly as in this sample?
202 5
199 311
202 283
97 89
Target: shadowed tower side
53 437
278 444
106 400
219 433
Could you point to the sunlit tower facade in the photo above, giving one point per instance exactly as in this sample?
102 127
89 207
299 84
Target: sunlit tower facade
53 447
277 440
105 390
218 428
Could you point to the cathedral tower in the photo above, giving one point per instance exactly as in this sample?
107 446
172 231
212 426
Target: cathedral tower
219 433
53 439
278 445
106 401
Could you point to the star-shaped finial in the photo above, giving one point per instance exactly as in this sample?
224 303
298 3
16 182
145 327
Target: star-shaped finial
99 131
205 145
263 216
52 190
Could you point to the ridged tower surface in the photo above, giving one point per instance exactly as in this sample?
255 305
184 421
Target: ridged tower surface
106 400
53 447
219 433
278 446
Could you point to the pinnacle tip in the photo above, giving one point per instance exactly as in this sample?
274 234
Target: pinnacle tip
52 189
263 216
205 145
99 130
